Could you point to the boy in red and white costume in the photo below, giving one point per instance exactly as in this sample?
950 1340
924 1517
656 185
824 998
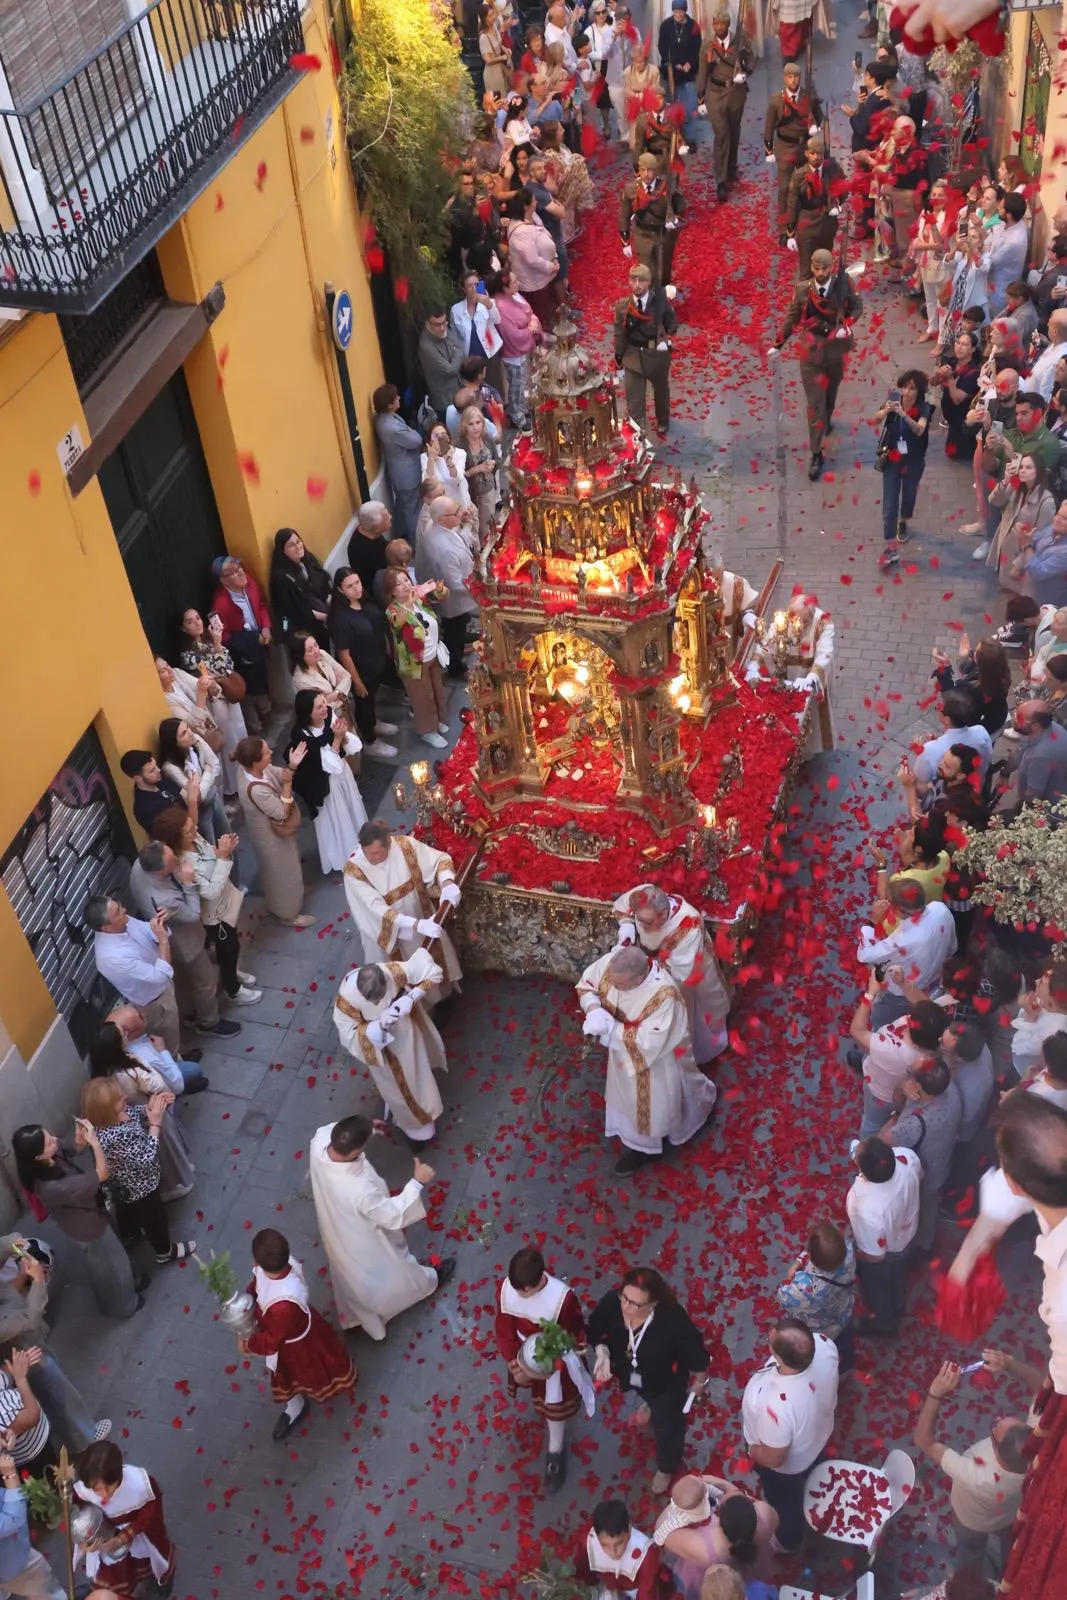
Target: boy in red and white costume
140 1547
619 1559
305 1357
528 1297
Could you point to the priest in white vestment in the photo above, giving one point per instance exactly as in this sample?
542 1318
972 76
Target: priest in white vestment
361 1225
380 1015
809 665
673 932
393 885
654 1090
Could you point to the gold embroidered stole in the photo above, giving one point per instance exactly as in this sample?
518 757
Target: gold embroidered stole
629 1038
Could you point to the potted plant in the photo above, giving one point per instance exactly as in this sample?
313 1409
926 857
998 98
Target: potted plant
542 1353
1020 872
236 1306
44 1503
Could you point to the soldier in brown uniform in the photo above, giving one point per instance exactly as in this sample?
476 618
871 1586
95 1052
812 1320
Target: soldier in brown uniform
653 132
726 62
648 218
792 115
813 205
823 310
643 322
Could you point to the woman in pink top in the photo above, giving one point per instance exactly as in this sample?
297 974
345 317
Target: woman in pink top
520 331
532 256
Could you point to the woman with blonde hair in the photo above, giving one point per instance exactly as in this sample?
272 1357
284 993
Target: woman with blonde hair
481 468
129 1138
638 76
109 1059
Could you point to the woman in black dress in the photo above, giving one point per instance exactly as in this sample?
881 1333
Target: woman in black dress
958 377
360 641
299 588
646 1340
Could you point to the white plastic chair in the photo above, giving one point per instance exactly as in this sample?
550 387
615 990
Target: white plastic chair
864 1590
898 1469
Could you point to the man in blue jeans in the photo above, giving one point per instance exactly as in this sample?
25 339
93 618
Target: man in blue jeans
679 56
23 1571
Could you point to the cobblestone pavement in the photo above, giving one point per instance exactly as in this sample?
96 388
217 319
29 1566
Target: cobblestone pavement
433 1472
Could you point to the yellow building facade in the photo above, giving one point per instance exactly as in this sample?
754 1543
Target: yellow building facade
277 222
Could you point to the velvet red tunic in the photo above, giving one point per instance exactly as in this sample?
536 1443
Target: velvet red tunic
312 1360
512 1329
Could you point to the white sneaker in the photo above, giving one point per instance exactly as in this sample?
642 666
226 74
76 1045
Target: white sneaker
980 551
245 996
379 749
442 727
247 977
434 739
385 727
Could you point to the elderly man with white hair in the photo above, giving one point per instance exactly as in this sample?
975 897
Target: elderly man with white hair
366 547
672 931
808 650
654 1090
446 554
381 1019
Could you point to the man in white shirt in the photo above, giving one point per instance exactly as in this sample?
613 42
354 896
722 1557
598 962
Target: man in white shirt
886 1056
920 943
557 32
987 1479
1042 1012
959 713
787 1416
1041 374
883 1212
135 957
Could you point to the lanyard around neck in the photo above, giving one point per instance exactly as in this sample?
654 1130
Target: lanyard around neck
635 1343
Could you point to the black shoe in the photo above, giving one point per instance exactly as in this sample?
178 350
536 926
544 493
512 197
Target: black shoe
417 1146
139 1306
223 1029
197 1086
445 1270
632 1162
164 1586
869 1328
192 1055
782 238
815 466
285 1424
721 193
830 425
555 1472
141 1282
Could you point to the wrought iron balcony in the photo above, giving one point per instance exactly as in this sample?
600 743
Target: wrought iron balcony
96 169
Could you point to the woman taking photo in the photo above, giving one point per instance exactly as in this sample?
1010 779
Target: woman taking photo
211 868
139 1083
446 466
323 779
314 669
985 672
480 468
272 818
646 1341
710 1523
204 656
67 1180
129 1137
520 333
496 63
532 256
183 754
902 458
1028 504
419 652
957 377
299 588
361 639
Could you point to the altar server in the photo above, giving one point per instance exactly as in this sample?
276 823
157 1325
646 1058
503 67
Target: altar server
304 1356
375 1276
654 1091
672 931
133 1504
618 1559
380 1015
393 885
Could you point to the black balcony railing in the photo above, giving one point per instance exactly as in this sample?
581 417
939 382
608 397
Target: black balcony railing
94 171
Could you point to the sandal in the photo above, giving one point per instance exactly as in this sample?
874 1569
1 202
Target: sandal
179 1252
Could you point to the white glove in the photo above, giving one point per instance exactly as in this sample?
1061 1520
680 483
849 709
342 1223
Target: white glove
791 244
428 929
841 333
598 1024
402 1006
450 894
627 251
752 672
663 345
387 1017
769 160
773 353
739 77
813 129
628 931
405 925
378 1035
671 291
702 111
807 683
670 224
835 211
749 619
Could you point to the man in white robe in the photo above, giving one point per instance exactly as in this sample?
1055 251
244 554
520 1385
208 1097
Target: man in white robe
809 666
654 1091
361 1225
393 885
673 932
381 1018
738 600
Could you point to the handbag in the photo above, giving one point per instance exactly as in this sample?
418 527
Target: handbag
291 825
214 738
882 462
233 687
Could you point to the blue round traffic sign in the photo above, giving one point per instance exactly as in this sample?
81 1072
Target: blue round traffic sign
343 320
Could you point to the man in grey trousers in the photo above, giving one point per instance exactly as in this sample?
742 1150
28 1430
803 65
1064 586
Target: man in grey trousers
401 449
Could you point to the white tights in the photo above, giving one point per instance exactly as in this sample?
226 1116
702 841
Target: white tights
557 1432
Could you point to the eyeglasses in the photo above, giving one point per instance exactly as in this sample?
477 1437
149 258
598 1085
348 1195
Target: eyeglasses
634 1305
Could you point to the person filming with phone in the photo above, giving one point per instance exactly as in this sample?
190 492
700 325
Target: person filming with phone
901 459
